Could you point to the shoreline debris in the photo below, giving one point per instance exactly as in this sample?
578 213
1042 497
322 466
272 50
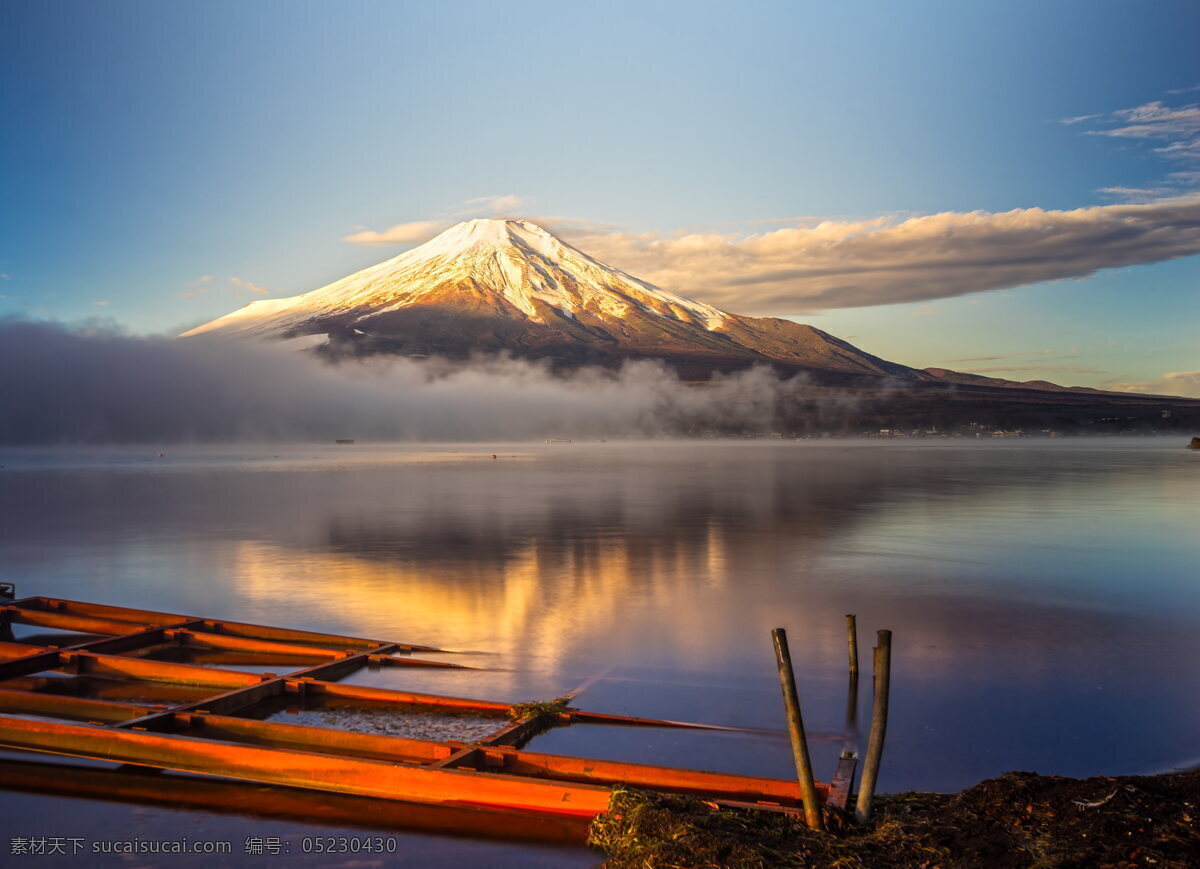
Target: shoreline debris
1019 820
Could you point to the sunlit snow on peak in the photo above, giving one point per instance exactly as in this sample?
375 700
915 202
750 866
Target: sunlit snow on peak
519 262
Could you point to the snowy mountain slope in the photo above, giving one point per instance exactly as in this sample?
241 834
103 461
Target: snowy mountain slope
509 285
514 261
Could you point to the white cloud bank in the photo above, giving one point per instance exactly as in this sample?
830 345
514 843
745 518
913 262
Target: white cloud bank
92 384
841 264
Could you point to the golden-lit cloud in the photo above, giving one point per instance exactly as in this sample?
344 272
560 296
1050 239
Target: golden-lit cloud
498 205
418 231
812 264
1181 383
414 232
842 264
253 288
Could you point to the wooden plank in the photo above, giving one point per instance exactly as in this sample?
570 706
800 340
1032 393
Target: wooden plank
128 642
264 687
272 801
584 769
231 701
385 696
339 668
109 689
305 769
208 640
397 749
292 635
416 751
145 670
305 681
215 658
744 789
180 632
232 628
65 706
367 695
72 622
21 659
138 617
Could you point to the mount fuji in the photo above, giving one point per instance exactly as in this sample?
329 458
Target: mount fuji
512 286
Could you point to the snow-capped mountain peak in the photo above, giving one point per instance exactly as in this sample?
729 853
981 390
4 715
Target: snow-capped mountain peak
512 286
517 261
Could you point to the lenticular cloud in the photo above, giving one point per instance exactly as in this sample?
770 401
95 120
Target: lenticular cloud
840 264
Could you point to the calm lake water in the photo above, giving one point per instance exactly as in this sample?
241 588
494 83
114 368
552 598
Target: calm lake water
1043 596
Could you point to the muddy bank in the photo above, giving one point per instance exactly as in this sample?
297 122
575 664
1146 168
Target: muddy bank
1015 821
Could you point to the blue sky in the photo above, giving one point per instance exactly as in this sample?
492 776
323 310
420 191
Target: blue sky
148 146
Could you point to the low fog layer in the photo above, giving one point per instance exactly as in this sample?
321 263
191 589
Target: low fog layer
62 384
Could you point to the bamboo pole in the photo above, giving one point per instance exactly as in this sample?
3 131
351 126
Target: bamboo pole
843 778
879 714
787 681
852 642
852 687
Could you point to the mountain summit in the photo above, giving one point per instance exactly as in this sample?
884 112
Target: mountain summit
510 285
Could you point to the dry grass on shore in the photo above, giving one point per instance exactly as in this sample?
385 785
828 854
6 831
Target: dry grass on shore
1016 821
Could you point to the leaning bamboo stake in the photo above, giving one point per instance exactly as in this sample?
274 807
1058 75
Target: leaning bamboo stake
787 681
879 713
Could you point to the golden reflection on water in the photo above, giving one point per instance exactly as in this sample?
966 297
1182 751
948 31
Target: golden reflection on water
540 599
